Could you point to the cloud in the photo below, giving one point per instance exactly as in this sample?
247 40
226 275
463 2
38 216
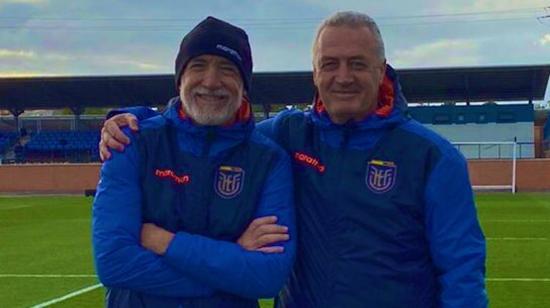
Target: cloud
545 40
58 57
447 52
370 7
14 74
33 2
491 5
137 64
495 5
16 54
9 54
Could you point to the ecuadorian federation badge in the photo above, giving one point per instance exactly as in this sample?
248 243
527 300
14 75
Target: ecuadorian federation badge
229 181
381 175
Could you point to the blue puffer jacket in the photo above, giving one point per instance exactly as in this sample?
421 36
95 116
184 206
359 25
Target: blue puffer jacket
205 184
384 210
385 213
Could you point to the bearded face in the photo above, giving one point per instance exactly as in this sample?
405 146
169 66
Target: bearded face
211 90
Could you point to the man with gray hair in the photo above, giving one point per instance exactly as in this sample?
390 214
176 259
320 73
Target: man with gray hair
385 209
170 211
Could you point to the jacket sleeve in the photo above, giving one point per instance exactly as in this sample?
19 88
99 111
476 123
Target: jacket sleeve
228 267
266 128
456 241
119 258
141 112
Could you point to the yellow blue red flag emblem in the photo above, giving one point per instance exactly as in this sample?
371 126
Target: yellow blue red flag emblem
229 181
381 176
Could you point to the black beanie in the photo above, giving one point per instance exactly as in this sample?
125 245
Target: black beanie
216 37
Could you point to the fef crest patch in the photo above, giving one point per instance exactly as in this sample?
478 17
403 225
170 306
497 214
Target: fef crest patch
229 181
381 176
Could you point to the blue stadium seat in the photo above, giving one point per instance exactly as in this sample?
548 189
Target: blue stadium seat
69 144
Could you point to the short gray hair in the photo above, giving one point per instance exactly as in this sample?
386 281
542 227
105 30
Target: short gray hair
352 19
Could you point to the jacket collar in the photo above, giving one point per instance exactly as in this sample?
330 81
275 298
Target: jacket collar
242 124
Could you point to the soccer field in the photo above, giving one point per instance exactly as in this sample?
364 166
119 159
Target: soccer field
46 259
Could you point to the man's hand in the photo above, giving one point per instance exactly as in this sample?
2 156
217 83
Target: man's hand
113 137
261 232
155 238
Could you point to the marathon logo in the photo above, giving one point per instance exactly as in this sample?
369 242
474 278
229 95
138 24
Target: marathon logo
309 161
381 175
230 51
229 181
171 175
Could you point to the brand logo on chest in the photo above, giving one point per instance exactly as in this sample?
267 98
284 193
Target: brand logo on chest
381 176
229 181
309 161
171 175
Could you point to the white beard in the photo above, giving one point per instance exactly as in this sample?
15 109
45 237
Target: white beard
220 109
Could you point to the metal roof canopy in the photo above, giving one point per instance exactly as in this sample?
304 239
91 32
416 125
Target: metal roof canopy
475 84
466 84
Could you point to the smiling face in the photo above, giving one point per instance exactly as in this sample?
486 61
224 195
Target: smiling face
347 71
211 90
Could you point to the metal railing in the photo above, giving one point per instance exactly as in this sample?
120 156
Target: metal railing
496 150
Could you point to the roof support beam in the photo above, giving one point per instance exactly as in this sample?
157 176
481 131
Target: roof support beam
467 89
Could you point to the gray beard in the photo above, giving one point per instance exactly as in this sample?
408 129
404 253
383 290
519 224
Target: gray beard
208 114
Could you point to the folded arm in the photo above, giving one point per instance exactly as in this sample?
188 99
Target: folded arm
229 267
120 260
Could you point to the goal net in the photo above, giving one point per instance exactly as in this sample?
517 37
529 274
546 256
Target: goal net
499 161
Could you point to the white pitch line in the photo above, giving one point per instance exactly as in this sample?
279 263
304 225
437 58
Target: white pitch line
47 276
517 238
517 220
519 279
73 294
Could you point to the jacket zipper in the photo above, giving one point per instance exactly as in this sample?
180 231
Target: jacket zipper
209 140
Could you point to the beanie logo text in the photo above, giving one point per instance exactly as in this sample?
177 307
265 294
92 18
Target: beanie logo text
230 51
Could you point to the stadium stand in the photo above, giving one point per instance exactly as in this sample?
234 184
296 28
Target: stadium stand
74 146
7 140
547 128
546 136
467 85
482 123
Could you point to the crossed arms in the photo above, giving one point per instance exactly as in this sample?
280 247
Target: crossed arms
149 259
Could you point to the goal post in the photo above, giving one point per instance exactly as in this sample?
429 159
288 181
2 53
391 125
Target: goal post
493 150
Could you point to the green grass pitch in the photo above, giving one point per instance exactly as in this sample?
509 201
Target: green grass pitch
45 251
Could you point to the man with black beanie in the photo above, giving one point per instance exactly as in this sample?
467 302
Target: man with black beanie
385 210
171 211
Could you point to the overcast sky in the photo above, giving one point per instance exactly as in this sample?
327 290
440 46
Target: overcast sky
100 37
